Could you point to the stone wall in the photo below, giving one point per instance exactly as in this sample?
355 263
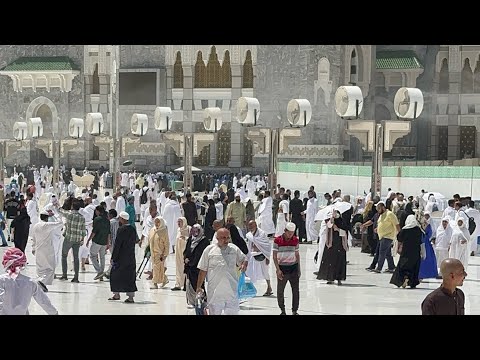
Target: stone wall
14 105
286 72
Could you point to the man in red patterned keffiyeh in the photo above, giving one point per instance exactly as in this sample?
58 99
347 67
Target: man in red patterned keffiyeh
17 290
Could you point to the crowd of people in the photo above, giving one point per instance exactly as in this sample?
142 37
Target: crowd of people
235 226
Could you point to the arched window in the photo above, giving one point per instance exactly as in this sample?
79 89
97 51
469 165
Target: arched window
200 72
476 78
95 81
178 72
214 70
223 145
247 152
444 81
226 71
353 68
248 71
467 78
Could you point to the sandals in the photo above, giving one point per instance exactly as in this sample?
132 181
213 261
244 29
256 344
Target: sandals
129 301
268 293
114 298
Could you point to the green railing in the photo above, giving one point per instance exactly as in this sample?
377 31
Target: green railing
438 172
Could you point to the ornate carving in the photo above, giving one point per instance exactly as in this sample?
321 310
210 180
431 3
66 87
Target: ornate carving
236 54
68 145
363 130
102 59
176 141
45 145
261 140
187 54
287 135
314 151
323 80
200 140
454 58
13 146
394 130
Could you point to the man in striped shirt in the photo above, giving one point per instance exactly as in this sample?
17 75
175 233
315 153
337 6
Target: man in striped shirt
75 231
286 256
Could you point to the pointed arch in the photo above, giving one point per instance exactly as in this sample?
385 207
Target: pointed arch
214 70
467 78
476 78
95 81
226 71
444 81
178 71
200 72
353 67
248 71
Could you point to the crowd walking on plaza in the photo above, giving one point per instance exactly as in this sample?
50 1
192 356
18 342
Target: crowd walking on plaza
234 229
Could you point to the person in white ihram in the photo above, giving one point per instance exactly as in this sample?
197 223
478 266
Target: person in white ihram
259 254
219 264
43 234
459 244
442 241
17 290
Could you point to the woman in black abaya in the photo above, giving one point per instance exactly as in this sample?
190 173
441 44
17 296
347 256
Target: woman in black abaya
334 260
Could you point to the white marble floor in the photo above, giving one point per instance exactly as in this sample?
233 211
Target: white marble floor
362 293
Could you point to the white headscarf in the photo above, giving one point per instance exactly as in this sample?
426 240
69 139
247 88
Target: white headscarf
410 222
447 231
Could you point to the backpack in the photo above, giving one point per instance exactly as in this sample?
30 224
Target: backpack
400 211
143 197
471 224
434 207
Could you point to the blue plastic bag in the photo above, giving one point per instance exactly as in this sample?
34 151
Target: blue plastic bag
246 289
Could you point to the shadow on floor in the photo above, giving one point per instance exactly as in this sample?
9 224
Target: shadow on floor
251 308
144 302
354 285
62 292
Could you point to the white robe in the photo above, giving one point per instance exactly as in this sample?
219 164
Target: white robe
281 222
234 183
32 212
124 180
265 216
250 188
312 208
161 200
442 242
258 270
108 200
323 240
457 250
120 206
43 237
136 202
449 211
476 216
171 214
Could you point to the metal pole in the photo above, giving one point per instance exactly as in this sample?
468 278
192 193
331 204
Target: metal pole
2 156
377 159
273 164
116 143
56 165
187 174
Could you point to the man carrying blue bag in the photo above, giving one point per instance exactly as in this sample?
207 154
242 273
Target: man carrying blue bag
219 263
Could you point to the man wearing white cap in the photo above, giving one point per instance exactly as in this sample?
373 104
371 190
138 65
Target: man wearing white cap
286 256
43 248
